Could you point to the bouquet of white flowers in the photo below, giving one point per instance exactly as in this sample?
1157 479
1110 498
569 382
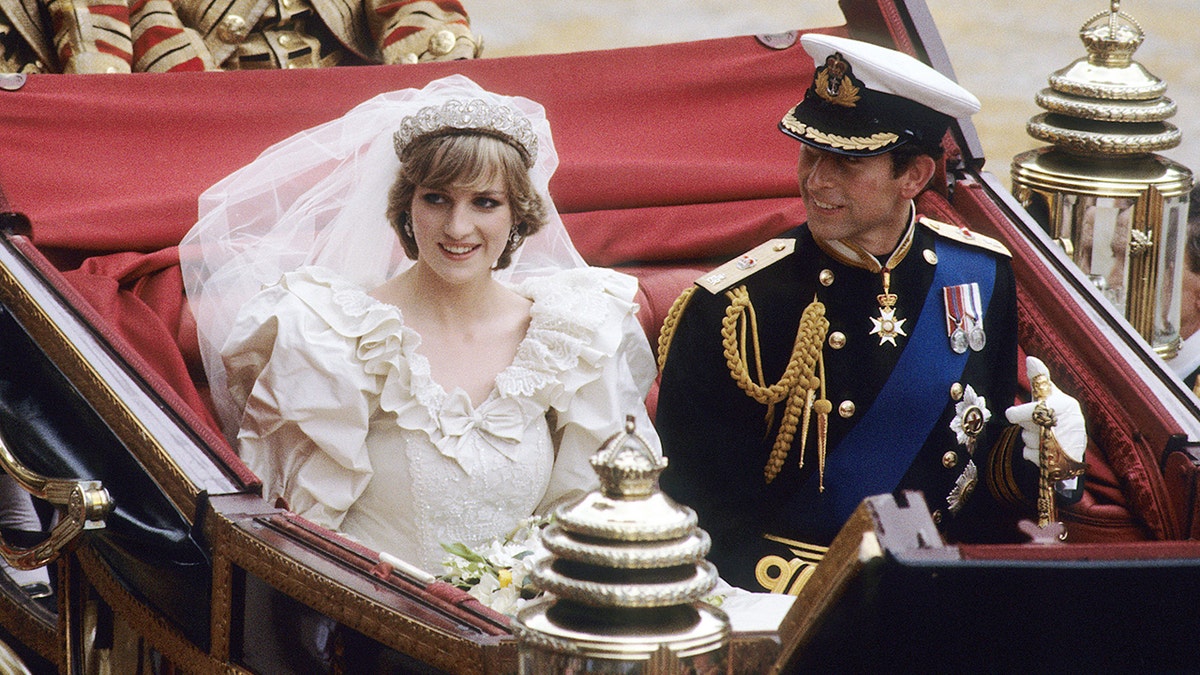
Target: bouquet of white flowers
498 575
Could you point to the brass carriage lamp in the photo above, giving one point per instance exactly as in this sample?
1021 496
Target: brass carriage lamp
624 578
1118 209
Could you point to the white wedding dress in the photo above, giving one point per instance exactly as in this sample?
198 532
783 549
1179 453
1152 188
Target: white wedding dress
342 419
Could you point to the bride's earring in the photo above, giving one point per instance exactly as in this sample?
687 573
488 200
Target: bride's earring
514 239
407 225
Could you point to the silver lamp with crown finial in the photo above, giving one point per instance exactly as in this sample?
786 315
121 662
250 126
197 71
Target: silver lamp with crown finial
1118 209
624 578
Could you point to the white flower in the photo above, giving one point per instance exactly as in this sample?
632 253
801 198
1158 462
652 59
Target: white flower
506 600
484 589
498 573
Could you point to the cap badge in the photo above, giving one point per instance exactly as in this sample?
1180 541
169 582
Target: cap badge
835 83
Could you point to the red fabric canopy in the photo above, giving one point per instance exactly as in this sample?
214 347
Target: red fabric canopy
116 162
662 161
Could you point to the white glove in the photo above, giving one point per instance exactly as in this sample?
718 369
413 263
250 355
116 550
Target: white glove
1069 429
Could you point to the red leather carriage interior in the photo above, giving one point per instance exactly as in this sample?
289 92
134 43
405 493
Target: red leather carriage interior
670 164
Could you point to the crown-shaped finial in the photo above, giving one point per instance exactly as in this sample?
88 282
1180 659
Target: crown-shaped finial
1112 37
627 467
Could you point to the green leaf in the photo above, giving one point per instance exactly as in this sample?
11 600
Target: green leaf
463 551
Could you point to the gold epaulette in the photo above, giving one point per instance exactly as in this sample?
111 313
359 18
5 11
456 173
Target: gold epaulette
757 258
965 236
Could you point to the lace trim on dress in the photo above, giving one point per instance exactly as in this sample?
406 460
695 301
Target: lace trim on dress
568 311
575 324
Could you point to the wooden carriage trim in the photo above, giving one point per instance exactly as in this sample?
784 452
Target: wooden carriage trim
221 609
32 624
148 623
63 351
242 540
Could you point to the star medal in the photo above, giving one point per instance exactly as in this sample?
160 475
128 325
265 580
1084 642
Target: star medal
963 487
887 326
970 415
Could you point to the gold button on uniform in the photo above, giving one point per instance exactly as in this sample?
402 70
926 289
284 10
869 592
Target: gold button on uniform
950 459
442 43
956 392
837 339
232 29
846 409
825 277
930 256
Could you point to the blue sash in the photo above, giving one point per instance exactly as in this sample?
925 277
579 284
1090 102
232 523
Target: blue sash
873 457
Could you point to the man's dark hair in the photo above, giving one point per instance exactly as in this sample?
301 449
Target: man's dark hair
904 155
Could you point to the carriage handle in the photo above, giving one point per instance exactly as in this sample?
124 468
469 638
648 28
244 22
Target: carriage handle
83 505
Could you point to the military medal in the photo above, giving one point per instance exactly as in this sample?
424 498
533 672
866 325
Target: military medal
963 487
964 323
887 326
976 338
954 318
958 341
970 415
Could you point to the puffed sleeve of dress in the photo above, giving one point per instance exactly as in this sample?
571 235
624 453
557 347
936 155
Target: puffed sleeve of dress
306 398
603 365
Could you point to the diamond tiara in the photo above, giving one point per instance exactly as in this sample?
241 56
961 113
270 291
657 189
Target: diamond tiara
475 115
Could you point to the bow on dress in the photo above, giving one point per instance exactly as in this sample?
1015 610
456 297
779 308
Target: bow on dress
498 424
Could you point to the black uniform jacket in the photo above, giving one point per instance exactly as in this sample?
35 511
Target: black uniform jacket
718 439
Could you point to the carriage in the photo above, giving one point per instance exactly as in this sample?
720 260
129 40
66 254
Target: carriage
165 557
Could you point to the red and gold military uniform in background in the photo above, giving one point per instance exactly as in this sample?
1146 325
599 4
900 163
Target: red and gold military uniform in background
112 36
88 36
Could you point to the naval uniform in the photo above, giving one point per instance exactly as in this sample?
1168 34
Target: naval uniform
894 382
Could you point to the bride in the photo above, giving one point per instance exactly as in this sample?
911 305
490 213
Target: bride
398 333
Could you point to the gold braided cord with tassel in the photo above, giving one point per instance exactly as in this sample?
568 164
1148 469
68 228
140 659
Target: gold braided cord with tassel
670 323
1054 464
1047 511
1044 416
799 383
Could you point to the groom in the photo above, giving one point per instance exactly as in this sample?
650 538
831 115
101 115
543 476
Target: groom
869 350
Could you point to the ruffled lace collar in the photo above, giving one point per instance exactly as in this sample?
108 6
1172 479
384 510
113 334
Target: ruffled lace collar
567 311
